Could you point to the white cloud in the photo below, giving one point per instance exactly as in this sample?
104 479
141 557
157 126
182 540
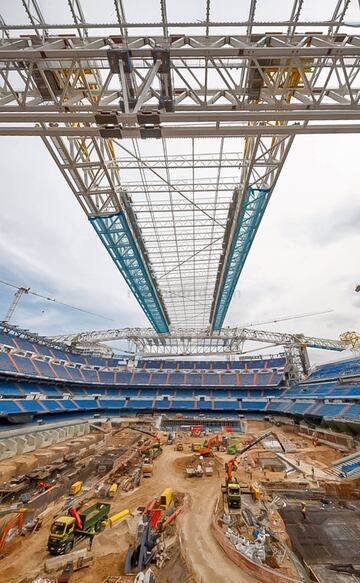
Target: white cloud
305 256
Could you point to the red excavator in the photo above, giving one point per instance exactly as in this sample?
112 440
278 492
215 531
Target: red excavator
208 445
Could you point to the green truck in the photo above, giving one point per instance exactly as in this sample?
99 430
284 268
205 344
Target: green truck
66 531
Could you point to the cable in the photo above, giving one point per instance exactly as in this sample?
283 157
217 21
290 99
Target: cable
34 293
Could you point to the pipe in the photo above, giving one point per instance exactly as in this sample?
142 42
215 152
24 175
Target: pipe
172 517
74 513
117 517
150 506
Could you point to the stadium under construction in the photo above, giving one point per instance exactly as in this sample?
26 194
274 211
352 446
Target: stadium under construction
184 456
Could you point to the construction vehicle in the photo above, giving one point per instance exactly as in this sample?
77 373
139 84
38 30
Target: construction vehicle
196 447
179 447
252 442
155 450
147 469
67 531
231 487
171 437
75 488
166 498
256 491
206 449
233 494
112 490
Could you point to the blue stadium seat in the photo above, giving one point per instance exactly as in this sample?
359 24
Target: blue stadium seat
254 405
141 378
24 344
52 391
25 365
219 365
5 363
112 403
210 379
90 375
186 365
354 411
165 364
147 393
159 378
257 363
8 389
8 407
140 404
184 393
202 365
228 379
177 378
31 406
329 410
336 369
7 340
183 404
204 404
75 373
127 392
194 379
44 350
45 369
106 376
123 378
167 391
226 405
246 379
52 405
94 361
299 407
62 371
61 355
87 403
161 404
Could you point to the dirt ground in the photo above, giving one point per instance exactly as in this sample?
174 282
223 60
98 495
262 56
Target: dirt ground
197 558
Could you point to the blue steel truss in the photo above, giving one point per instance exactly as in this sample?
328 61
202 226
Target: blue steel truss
119 241
249 217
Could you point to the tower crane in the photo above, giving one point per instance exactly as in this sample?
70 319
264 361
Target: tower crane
21 290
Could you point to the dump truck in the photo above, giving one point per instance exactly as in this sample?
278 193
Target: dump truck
67 531
233 495
75 488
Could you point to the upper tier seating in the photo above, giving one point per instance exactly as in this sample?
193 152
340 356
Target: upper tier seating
334 370
330 390
278 362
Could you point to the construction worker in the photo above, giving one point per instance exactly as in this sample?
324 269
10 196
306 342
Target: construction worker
91 537
313 472
303 510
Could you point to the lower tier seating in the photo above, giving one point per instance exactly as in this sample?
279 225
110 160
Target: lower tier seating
135 404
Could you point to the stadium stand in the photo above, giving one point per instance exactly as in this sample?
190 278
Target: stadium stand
250 386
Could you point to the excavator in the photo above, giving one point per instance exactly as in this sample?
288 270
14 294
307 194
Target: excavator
251 443
206 450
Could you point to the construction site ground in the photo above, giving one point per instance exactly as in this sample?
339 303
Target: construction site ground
197 556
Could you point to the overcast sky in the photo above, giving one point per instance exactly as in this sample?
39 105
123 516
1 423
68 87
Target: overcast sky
306 256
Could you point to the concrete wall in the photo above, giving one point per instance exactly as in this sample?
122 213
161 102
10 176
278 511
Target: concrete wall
16 442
